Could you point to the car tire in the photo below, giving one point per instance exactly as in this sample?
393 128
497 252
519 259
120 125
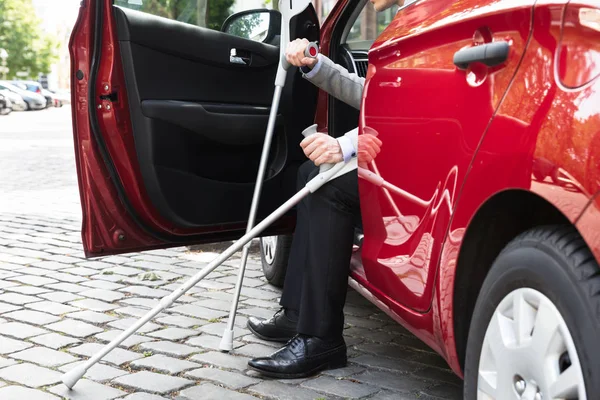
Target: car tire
27 106
550 268
274 254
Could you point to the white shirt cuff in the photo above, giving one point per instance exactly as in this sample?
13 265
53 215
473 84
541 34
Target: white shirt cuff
315 69
348 150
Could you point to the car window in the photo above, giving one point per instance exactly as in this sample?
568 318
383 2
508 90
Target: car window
206 13
368 25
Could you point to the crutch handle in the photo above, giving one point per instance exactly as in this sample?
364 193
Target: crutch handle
312 50
311 130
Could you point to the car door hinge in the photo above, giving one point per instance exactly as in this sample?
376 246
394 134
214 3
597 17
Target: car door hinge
112 97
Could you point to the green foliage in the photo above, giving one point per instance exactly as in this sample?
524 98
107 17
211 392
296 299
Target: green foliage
244 27
29 49
214 12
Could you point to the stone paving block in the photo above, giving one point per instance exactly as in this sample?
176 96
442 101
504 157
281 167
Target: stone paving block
391 351
144 291
50 265
363 322
221 305
54 340
44 357
208 391
391 380
67 287
25 252
109 277
5 362
8 274
20 331
117 356
102 294
87 390
249 282
181 321
99 284
151 382
232 380
92 317
340 387
132 340
136 281
223 360
8 345
210 342
95 264
170 348
254 350
21 393
253 339
198 312
125 271
156 259
213 285
141 302
51 307
218 328
60 297
18 299
132 311
256 312
392 364
98 372
150 265
144 396
125 323
4 308
445 391
344 372
6 284
30 290
256 293
17 259
29 375
29 270
70 278
174 333
80 271
74 328
272 305
165 364
281 391
94 305
438 375
32 317
115 259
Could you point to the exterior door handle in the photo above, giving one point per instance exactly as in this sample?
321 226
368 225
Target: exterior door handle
237 56
491 54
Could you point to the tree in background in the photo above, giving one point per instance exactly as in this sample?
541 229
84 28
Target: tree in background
30 51
206 13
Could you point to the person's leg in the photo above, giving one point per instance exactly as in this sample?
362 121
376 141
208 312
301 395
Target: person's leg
332 213
282 326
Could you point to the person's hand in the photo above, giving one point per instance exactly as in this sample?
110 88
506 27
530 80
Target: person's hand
322 149
294 54
368 148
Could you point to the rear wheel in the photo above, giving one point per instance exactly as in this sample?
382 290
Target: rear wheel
536 321
274 253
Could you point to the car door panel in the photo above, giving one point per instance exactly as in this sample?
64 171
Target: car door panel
431 117
177 130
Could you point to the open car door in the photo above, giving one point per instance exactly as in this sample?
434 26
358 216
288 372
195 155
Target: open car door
169 121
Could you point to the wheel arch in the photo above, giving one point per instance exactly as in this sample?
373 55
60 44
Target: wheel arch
498 221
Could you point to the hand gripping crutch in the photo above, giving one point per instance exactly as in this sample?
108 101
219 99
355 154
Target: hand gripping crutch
324 176
288 10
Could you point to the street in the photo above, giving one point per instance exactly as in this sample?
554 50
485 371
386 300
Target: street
57 308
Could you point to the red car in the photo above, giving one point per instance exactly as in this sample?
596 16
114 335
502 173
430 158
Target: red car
483 239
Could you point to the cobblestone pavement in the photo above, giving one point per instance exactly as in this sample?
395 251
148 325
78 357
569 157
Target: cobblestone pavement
58 308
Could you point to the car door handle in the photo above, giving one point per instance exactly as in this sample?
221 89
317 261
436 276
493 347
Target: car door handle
491 54
237 56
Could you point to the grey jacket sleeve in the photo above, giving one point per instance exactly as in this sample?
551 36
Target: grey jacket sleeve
337 81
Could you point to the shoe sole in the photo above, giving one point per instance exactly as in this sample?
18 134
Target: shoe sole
268 339
280 375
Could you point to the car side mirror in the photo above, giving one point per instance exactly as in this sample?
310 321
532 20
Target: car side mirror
261 25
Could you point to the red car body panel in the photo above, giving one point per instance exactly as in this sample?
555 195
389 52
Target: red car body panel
531 125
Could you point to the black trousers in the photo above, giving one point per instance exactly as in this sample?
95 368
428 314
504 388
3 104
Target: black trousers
316 281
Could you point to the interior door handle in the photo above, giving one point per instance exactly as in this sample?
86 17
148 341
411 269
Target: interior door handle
237 56
491 54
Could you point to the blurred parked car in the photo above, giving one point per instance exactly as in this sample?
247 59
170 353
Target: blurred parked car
33 100
5 105
61 97
36 87
18 104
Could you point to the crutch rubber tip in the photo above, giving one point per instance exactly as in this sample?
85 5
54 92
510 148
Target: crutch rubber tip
73 376
227 341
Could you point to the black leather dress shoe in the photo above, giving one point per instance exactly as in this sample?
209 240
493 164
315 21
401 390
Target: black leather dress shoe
303 356
278 328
